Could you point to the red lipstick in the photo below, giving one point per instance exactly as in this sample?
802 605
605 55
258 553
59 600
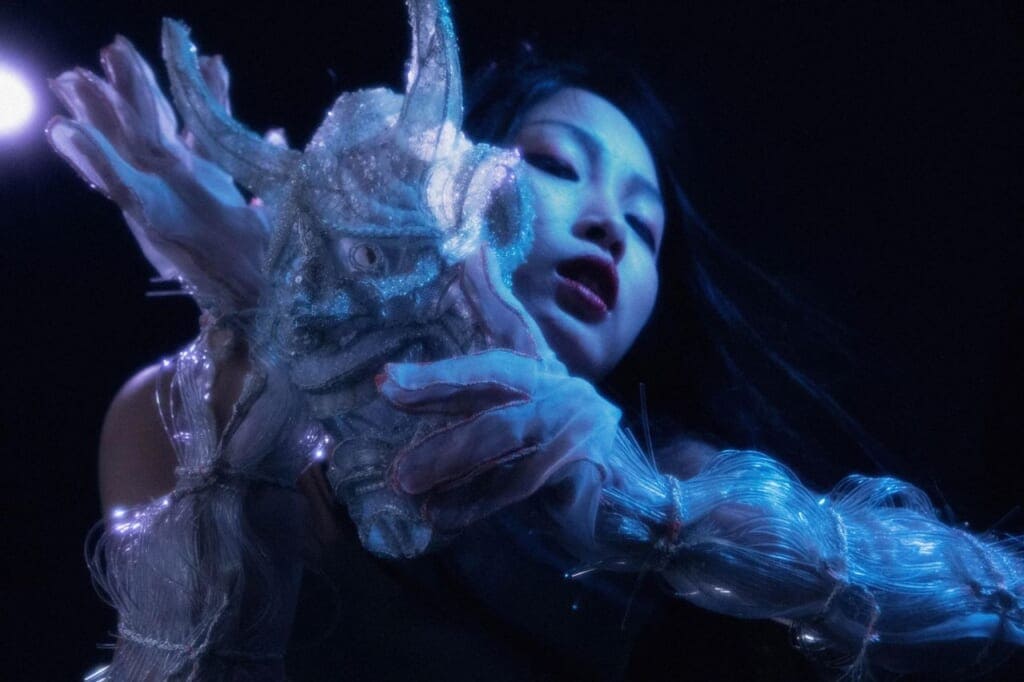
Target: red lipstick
587 287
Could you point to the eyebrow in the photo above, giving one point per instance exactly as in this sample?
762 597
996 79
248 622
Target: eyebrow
594 147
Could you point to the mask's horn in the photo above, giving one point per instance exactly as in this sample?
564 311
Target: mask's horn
252 161
433 82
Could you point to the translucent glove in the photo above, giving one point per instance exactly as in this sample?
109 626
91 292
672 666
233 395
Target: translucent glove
520 420
124 140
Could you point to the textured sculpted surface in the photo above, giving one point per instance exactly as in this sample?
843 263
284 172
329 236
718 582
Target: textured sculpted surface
357 251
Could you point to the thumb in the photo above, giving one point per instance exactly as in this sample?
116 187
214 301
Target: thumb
508 323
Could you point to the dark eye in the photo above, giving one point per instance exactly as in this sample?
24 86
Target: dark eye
552 166
366 257
643 230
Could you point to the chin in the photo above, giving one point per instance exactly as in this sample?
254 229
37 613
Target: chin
582 353
579 345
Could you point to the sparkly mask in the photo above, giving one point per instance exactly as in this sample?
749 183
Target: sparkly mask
370 224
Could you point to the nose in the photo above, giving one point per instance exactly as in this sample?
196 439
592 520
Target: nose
601 220
602 223
607 233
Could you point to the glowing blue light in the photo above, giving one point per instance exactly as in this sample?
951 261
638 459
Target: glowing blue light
924 547
808 638
16 102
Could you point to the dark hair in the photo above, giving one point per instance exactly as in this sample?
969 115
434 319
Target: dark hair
737 384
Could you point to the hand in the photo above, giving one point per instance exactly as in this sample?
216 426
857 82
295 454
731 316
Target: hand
523 422
188 216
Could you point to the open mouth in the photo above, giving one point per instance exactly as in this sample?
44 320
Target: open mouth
588 287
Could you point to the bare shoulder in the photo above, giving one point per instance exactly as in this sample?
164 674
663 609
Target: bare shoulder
136 458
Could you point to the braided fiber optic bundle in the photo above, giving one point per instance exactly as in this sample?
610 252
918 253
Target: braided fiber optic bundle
200 584
866 575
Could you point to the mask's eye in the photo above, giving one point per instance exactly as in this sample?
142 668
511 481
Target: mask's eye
366 257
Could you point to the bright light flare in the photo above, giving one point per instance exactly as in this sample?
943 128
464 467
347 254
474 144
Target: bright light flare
16 101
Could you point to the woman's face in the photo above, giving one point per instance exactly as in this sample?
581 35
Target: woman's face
591 278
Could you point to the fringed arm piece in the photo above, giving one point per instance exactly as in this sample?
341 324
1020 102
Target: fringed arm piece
866 574
205 578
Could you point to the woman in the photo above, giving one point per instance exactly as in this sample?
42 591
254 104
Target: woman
590 282
531 111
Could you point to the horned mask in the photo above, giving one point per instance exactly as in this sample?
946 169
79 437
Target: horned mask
369 227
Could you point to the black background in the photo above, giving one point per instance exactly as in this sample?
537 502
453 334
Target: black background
868 154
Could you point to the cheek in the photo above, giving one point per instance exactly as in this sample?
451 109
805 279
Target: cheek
645 294
553 211
653 286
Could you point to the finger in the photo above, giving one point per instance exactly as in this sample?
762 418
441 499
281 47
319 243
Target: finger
217 79
571 466
508 324
494 376
93 101
453 455
215 75
138 194
91 154
154 124
458 507
468 383
447 398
